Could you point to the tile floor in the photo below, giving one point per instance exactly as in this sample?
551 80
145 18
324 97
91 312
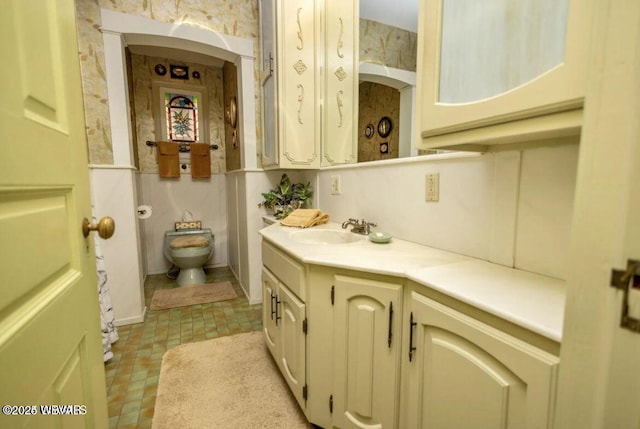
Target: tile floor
132 374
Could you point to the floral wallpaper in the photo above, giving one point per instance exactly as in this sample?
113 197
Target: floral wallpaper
386 45
232 17
379 44
146 111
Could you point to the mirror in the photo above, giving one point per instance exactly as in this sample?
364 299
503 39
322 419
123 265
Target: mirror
387 71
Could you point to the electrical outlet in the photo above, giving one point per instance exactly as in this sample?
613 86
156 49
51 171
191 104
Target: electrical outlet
335 185
432 187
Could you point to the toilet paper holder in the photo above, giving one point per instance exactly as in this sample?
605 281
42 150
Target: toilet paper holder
626 280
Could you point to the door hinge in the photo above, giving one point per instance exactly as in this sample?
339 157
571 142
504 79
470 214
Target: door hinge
304 392
629 282
331 404
333 294
304 326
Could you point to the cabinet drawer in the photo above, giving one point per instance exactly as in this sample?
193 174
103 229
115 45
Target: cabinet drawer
287 270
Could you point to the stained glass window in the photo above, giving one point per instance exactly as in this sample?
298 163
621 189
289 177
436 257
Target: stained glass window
182 117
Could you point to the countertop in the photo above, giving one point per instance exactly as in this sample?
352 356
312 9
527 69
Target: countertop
532 301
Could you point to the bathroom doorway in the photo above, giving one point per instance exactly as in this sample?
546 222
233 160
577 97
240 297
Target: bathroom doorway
120 30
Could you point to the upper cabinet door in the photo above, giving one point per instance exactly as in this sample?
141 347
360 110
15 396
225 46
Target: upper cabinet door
268 82
500 71
340 103
298 30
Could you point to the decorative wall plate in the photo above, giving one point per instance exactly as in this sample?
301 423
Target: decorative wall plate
368 131
385 126
179 72
384 147
233 112
160 70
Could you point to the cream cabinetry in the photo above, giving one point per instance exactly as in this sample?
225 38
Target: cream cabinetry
366 364
340 83
460 372
360 350
284 321
488 80
309 51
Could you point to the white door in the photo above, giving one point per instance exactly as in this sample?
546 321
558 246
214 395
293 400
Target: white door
599 383
50 346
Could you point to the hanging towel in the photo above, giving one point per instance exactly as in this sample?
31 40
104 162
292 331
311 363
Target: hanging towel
305 218
200 160
168 159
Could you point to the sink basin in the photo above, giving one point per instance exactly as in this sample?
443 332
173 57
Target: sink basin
325 236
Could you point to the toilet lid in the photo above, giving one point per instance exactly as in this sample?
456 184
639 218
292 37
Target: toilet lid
189 241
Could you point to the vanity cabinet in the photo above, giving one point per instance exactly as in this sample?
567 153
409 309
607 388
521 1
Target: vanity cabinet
360 349
501 72
309 55
460 372
284 318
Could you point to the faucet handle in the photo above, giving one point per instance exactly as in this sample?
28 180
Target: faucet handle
367 226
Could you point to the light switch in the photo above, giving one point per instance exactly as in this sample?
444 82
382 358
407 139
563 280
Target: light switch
432 187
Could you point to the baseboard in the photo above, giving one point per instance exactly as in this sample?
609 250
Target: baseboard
131 320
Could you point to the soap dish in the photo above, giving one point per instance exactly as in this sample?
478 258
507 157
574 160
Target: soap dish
380 237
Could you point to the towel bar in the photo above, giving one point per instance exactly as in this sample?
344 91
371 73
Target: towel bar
184 147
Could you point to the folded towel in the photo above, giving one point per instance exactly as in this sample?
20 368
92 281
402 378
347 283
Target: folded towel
200 160
305 218
168 159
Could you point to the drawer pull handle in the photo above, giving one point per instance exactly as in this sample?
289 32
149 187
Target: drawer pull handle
272 309
411 347
278 317
390 337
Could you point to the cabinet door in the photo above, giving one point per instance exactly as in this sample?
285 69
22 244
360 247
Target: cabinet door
498 62
298 83
291 356
340 103
465 374
269 322
366 346
268 82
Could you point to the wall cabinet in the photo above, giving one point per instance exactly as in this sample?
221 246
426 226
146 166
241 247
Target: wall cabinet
488 79
340 83
462 373
309 51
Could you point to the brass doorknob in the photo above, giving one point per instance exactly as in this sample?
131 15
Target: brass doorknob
106 227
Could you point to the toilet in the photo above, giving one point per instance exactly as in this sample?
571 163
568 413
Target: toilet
189 250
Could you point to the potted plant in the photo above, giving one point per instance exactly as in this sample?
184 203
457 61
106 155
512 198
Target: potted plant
286 197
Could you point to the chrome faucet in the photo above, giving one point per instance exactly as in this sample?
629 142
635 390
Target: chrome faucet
359 227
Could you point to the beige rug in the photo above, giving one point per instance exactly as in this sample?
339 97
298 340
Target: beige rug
182 296
228 383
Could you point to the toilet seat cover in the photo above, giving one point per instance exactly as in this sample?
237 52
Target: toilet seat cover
185 242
